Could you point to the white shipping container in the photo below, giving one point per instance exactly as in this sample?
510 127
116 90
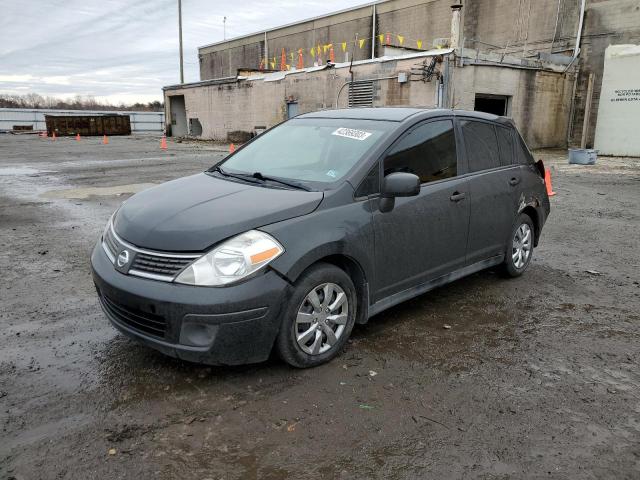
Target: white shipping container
141 122
618 126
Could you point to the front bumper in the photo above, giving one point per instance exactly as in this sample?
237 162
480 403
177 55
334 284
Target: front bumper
218 326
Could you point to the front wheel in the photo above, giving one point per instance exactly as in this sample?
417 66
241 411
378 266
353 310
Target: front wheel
520 248
319 317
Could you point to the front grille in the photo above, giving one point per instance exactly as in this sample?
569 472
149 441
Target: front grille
145 263
159 265
110 242
149 323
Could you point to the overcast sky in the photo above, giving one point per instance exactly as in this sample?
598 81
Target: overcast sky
124 50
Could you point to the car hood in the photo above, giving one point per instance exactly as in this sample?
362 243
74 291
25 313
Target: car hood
193 213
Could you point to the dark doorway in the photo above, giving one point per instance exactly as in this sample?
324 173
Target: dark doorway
496 104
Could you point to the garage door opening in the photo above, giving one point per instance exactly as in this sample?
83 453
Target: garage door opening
495 104
178 116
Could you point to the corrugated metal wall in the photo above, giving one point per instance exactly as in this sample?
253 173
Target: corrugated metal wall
141 122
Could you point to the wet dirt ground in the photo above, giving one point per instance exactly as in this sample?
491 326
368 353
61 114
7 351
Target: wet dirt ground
536 378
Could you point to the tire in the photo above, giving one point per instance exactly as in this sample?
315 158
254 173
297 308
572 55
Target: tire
307 318
514 265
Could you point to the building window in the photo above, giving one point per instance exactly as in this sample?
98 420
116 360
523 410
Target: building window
495 104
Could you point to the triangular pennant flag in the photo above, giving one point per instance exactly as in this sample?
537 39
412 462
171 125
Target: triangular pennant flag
419 43
400 39
300 60
381 37
361 41
344 46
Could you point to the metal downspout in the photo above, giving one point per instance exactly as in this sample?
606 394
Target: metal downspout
576 50
373 30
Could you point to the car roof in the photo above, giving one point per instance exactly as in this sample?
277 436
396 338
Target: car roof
393 114
397 114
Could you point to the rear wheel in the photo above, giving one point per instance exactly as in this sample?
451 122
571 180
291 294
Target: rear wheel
520 249
318 318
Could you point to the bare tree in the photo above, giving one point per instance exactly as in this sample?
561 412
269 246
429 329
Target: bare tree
79 102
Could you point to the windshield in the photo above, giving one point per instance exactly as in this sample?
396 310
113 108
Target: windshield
314 150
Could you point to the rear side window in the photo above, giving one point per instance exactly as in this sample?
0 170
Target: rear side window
523 155
505 141
482 145
428 151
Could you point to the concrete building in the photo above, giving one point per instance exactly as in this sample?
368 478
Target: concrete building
528 59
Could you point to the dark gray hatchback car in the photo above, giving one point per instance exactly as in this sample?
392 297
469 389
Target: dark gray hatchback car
315 225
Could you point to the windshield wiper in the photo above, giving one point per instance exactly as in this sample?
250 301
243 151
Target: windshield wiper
297 186
239 176
252 177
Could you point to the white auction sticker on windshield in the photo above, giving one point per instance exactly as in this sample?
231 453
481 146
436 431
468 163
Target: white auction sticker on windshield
351 133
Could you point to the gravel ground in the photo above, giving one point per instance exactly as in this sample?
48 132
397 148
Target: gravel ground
536 378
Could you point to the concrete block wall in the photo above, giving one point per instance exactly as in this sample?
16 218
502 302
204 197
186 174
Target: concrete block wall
540 101
519 26
245 105
423 20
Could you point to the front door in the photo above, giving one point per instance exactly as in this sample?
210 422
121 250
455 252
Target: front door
425 236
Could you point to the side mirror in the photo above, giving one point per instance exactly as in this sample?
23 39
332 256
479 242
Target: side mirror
400 184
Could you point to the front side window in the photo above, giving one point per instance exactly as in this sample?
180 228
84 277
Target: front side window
428 151
370 185
481 144
314 151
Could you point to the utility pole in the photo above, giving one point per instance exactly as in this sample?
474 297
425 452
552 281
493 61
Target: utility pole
180 35
224 28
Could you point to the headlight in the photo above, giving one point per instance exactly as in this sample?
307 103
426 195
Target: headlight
232 260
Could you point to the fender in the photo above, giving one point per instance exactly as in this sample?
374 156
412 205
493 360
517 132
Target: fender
346 230
532 205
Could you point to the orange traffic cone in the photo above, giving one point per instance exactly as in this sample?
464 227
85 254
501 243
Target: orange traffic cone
163 142
232 148
105 140
77 137
547 182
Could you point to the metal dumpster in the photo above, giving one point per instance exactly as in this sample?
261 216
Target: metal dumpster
88 125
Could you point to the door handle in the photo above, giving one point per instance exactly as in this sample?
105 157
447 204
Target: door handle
514 181
457 196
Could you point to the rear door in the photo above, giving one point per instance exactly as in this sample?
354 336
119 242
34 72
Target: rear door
492 188
425 236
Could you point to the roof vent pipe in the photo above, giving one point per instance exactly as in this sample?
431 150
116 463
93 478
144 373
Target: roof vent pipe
455 25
